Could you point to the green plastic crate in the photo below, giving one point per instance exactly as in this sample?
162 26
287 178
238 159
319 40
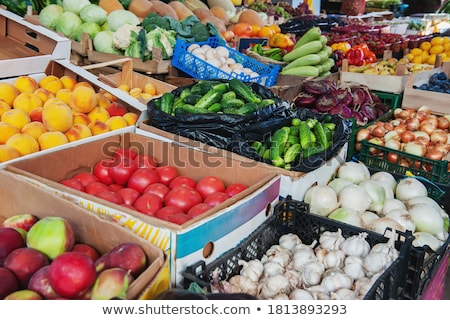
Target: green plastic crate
433 170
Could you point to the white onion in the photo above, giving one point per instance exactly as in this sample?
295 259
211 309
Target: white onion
321 199
367 217
376 192
353 171
382 224
354 197
403 217
338 183
391 204
428 219
424 238
410 187
427 200
346 215
385 178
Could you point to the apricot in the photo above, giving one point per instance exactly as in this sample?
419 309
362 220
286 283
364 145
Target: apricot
16 117
26 84
81 118
6 131
98 113
116 122
8 153
51 83
4 107
77 132
8 92
44 94
57 117
97 127
65 95
68 82
23 143
34 129
131 118
52 139
27 101
83 99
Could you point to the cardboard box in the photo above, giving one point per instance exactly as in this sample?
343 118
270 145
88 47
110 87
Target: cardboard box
206 236
88 227
293 183
26 46
62 67
416 98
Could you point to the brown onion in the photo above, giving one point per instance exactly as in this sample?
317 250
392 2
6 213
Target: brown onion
400 128
421 115
388 126
422 134
423 140
404 114
392 157
434 154
412 124
428 126
425 109
392 135
443 123
397 112
392 144
439 136
363 134
404 162
415 148
443 147
379 131
407 136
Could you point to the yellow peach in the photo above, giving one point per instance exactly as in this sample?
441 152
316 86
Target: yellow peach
81 118
57 117
51 83
98 113
116 122
77 132
52 139
150 88
23 143
131 118
26 83
6 131
27 101
103 100
44 94
8 153
16 117
8 92
36 114
97 127
68 82
64 94
83 99
4 107
34 129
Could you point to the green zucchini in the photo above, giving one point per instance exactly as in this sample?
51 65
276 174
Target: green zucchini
308 60
312 34
302 71
308 48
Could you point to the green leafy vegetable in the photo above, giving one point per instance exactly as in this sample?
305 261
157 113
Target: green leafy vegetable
49 15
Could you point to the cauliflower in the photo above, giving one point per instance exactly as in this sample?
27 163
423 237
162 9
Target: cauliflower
122 37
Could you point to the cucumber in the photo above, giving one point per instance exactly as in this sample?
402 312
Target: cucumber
266 102
308 60
304 135
244 91
192 99
302 71
292 153
228 95
232 103
167 100
211 97
310 47
312 34
279 139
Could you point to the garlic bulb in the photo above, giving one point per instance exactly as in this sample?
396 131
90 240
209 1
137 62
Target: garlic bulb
289 241
334 259
243 284
311 273
294 278
356 245
302 257
319 292
337 281
375 262
331 240
300 294
271 269
355 270
343 294
273 286
362 286
252 269
278 254
282 296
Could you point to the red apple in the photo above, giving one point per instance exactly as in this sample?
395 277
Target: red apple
9 282
100 263
40 283
87 249
112 283
129 256
24 294
24 262
179 218
116 109
52 236
73 183
10 239
85 178
71 274
23 221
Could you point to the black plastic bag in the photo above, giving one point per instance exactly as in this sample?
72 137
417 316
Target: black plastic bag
215 129
242 140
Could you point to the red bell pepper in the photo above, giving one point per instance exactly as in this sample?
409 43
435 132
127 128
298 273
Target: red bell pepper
355 56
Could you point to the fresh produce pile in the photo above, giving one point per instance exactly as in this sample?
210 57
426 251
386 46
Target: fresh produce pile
438 82
302 139
349 101
137 182
232 97
389 67
41 114
334 267
378 201
310 57
40 259
427 51
414 132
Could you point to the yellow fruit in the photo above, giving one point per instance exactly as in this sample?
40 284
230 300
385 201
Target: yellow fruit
97 127
26 84
431 59
425 46
446 46
446 39
424 55
34 129
135 92
57 117
150 88
8 153
16 117
6 131
4 107
65 95
52 101
410 56
44 94
124 87
131 118
437 41
116 122
83 99
98 113
416 52
8 92
417 59
436 49
27 101
52 139
81 118
23 143
68 82
77 132
103 100
51 83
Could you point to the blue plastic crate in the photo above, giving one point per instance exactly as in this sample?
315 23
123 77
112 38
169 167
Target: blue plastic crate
200 69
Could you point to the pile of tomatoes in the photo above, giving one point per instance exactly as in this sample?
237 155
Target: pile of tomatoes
137 182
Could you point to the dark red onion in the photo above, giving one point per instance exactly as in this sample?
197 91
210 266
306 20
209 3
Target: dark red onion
344 96
325 102
359 118
359 95
369 111
382 106
304 100
318 87
342 110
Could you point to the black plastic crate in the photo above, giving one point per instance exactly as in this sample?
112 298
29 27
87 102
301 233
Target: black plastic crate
293 216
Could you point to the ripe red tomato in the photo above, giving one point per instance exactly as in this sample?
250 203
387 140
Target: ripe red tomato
96 187
157 189
122 171
198 209
145 161
179 218
115 187
102 170
110 196
215 198
129 195
73 183
85 178
148 204
183 198
208 185
182 181
235 188
141 178
124 152
166 174
165 212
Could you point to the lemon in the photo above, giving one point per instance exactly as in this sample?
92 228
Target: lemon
436 49
416 52
437 41
426 45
